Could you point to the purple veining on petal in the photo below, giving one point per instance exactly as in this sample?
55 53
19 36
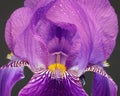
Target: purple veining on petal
49 30
62 38
15 64
50 86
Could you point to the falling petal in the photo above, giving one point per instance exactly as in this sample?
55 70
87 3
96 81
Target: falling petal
103 86
8 78
43 85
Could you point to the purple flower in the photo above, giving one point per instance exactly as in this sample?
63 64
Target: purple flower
60 40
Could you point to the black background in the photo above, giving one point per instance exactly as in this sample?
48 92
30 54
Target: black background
6 9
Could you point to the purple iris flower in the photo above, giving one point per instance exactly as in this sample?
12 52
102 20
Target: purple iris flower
60 40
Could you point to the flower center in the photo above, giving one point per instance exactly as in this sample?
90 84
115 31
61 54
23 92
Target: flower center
57 68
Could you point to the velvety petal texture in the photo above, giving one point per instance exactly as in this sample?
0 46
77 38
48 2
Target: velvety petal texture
103 86
8 78
43 85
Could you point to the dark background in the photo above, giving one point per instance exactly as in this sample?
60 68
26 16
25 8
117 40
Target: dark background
6 9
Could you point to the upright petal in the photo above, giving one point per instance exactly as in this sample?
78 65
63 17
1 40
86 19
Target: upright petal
51 32
103 86
8 78
16 24
65 11
43 85
103 24
63 37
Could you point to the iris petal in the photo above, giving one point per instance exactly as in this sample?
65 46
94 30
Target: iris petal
67 12
43 25
43 85
57 37
16 24
103 86
63 37
8 78
36 51
37 18
103 24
